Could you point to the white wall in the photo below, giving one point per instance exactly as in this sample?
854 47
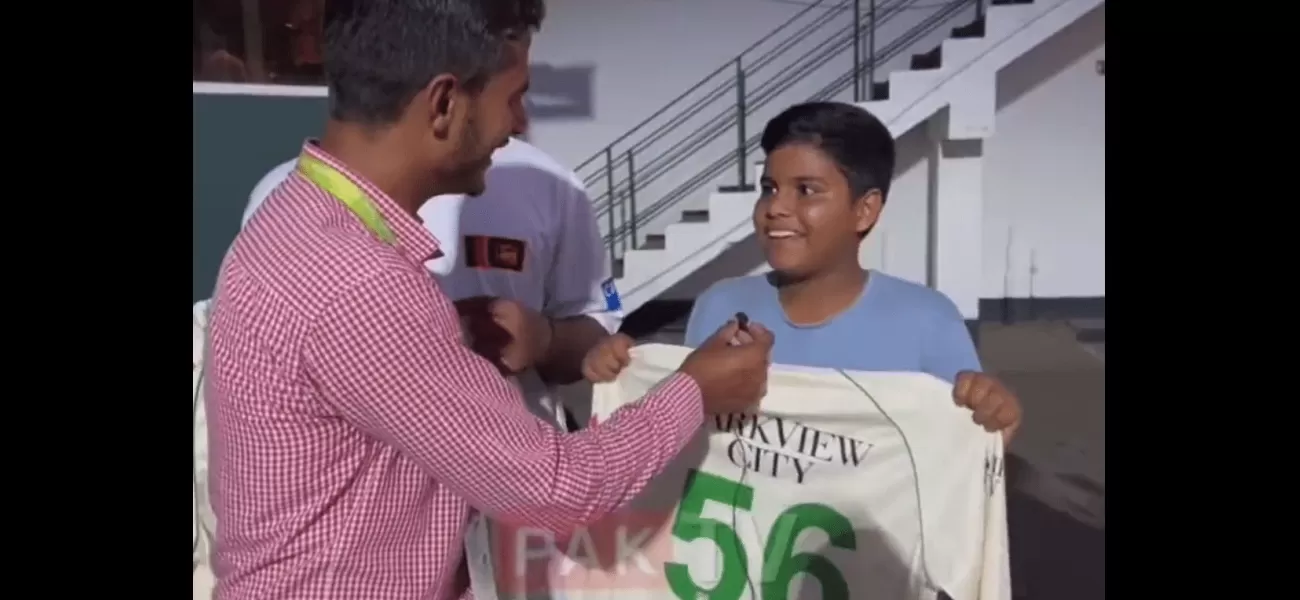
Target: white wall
645 53
1045 172
1044 180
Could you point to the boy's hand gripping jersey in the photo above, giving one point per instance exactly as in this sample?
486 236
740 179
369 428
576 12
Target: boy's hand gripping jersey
846 485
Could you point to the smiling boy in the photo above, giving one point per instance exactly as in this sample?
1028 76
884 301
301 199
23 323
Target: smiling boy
825 182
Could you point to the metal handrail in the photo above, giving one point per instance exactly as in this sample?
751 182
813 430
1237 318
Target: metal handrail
701 83
717 125
709 116
838 85
618 237
719 90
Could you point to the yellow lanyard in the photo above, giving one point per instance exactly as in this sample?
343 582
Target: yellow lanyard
353 197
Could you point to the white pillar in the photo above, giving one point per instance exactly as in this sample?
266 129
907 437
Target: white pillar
956 217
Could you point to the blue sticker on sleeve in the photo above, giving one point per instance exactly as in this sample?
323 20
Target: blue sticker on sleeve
612 301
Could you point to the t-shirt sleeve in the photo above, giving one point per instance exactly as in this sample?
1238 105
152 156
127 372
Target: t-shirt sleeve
948 348
580 282
705 318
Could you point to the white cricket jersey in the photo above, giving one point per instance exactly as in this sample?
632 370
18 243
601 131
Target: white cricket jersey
531 237
846 485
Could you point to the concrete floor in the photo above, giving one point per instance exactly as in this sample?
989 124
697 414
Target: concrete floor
1056 472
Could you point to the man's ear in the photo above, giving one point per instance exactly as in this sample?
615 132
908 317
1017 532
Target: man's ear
442 103
866 210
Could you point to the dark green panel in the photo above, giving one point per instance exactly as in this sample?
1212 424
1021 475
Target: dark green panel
237 139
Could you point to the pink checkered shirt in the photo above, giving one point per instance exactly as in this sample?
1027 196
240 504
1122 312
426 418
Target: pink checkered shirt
351 431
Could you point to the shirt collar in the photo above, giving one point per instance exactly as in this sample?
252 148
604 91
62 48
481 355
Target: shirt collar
412 236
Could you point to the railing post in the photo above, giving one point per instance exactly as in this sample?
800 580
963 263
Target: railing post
609 182
857 50
623 244
631 195
740 122
871 47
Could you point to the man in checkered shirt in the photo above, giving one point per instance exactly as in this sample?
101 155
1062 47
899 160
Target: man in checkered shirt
530 239
351 431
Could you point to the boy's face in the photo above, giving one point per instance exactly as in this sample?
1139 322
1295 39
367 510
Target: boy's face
806 218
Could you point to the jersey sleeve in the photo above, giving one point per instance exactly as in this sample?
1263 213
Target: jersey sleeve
958 473
580 282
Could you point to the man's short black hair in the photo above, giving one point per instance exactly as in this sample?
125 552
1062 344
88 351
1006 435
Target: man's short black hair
380 53
855 139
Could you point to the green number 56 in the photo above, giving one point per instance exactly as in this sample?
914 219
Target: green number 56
779 565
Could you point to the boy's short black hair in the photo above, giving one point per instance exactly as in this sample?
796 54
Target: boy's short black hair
855 139
380 53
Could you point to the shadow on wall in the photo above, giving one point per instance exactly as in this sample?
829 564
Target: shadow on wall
1056 54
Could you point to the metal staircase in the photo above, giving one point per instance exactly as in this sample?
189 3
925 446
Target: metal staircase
691 161
676 151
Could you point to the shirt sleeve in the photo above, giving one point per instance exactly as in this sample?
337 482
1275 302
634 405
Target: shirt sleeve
580 282
949 350
387 356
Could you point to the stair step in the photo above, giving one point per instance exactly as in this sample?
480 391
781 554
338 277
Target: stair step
974 29
929 60
879 91
695 216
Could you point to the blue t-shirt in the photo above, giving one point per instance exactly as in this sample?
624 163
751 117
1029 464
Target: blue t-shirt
896 325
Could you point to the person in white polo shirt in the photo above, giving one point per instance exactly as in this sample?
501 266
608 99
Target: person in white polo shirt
530 238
